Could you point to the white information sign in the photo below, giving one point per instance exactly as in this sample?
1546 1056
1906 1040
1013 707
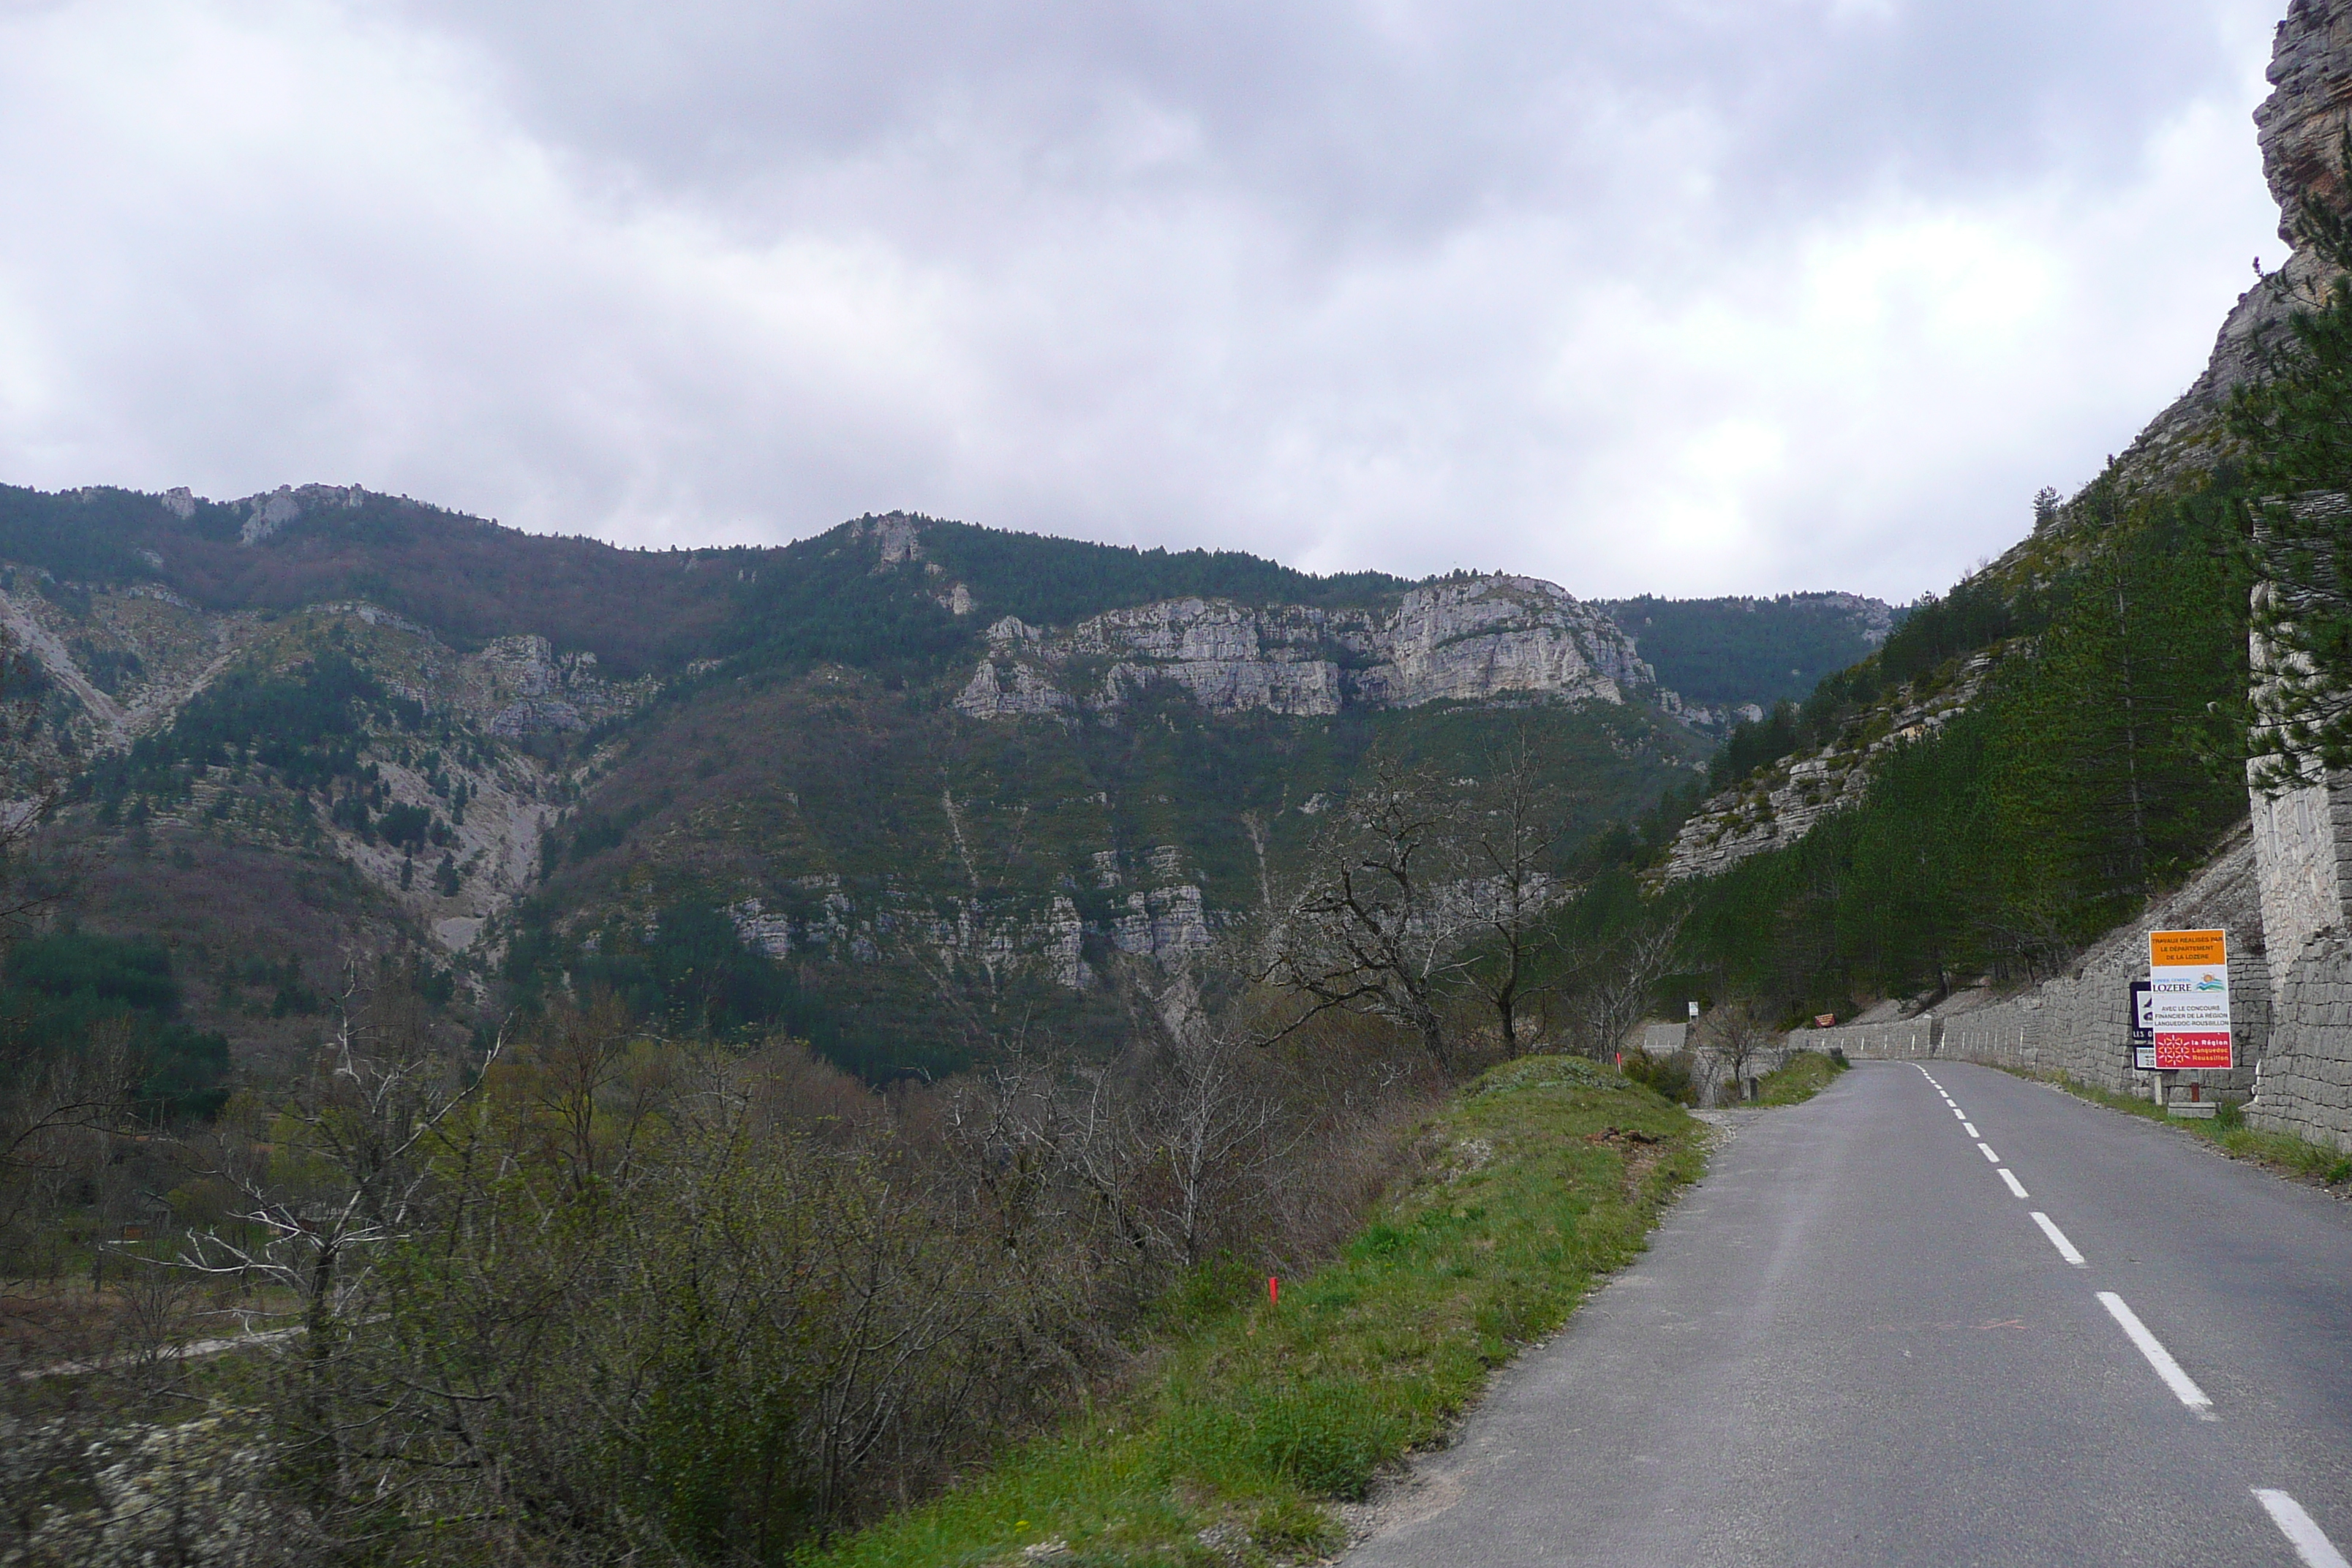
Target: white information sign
2188 999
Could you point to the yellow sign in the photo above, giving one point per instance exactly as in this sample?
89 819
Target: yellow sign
2170 948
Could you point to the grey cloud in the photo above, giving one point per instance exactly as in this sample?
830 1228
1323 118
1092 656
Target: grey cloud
1689 297
1400 115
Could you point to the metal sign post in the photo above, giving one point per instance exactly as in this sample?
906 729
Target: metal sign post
2189 1000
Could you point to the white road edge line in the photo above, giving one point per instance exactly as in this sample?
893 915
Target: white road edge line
2014 1185
2183 1386
2310 1542
2058 1240
1989 1153
1970 1129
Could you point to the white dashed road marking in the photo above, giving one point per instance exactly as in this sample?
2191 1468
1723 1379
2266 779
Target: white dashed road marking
2015 1185
1970 1129
2183 1388
1988 1155
2310 1542
2058 1240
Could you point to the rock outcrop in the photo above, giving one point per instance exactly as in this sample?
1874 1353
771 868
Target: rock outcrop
1465 639
546 691
2301 127
1781 803
1161 915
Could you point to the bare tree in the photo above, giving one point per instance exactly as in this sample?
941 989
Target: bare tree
1618 980
1368 927
1738 1033
60 1113
1504 851
1206 1123
352 1180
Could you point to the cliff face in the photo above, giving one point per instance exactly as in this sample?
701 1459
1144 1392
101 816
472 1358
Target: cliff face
2301 128
416 737
122 661
1474 639
1779 804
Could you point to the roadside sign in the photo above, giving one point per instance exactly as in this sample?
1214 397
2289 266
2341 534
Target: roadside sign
2188 999
2142 1033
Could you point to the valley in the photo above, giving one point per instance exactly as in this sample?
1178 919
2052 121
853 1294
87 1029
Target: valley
278 731
933 1043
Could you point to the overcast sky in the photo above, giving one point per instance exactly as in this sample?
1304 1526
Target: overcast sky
1680 296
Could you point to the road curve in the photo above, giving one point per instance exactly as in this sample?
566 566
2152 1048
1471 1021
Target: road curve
1861 1339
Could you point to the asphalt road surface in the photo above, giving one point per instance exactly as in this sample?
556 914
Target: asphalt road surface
1866 1339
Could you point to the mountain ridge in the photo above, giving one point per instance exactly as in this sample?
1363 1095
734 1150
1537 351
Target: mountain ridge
320 726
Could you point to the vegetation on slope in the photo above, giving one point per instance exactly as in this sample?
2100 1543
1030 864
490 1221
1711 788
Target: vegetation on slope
2295 428
1048 581
1734 650
1804 1074
861 815
2106 749
69 991
2097 765
468 579
1538 1178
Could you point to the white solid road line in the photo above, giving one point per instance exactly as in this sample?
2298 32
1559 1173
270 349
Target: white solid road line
2310 1542
2015 1185
2182 1387
1970 1129
2058 1240
1989 1153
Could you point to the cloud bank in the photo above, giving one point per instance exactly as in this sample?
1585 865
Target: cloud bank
1703 296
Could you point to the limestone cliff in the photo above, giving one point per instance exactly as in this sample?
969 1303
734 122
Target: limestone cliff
1161 913
2301 128
124 661
1467 639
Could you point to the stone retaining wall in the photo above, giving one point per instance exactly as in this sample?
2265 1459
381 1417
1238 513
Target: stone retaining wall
2306 1086
2075 1023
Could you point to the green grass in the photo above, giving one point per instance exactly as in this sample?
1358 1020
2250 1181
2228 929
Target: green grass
1802 1077
2281 1150
1537 1178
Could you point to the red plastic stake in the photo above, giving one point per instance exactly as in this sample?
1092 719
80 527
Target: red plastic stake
1273 1291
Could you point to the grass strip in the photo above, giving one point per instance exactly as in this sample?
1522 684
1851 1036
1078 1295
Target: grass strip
1804 1074
2283 1152
1536 1179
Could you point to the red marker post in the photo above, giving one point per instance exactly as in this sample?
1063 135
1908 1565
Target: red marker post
1273 1291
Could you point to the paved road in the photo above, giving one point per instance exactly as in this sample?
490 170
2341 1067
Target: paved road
1855 1343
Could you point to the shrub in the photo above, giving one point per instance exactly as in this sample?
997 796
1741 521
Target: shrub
1669 1077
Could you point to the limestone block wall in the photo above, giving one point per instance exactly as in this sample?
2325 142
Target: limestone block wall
2305 1084
2075 1024
2303 840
